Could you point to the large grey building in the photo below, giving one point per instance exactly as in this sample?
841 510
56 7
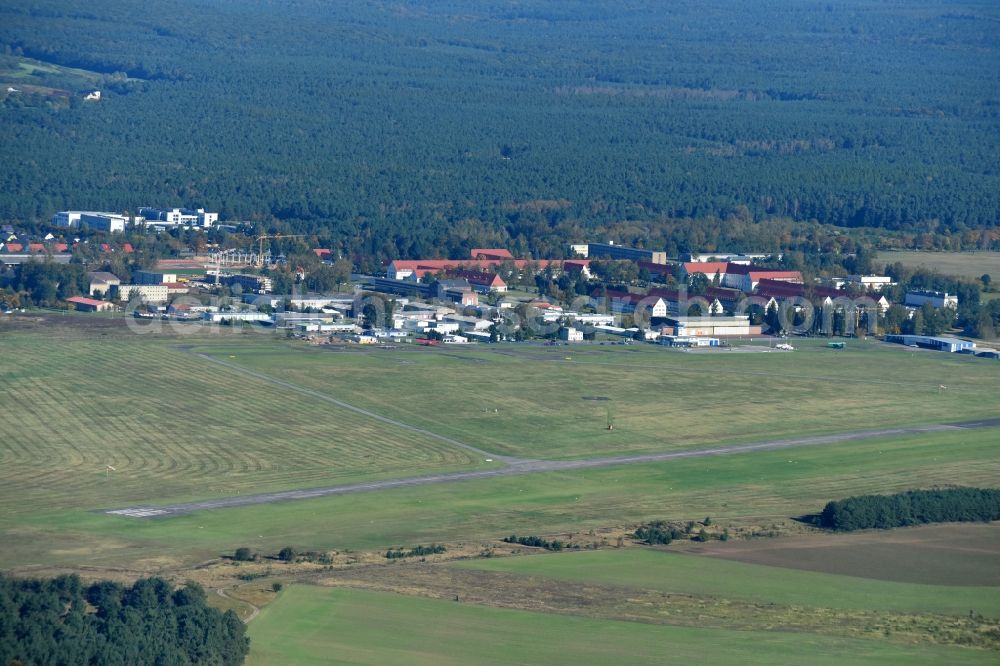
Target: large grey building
612 251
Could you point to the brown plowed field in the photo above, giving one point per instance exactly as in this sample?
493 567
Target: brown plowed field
953 554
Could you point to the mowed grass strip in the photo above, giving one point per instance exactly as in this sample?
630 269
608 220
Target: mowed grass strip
173 427
694 574
962 264
759 488
308 625
529 401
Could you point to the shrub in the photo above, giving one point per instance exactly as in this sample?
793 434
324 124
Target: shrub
243 554
657 533
419 551
535 542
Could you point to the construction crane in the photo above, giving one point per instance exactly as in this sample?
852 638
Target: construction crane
259 262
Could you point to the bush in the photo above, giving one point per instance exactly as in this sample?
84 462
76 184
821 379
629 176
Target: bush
277 587
535 542
419 551
243 554
287 554
658 533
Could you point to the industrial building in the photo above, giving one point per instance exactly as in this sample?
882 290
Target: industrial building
244 315
612 251
174 217
938 343
710 326
111 222
84 304
153 277
939 299
687 341
257 284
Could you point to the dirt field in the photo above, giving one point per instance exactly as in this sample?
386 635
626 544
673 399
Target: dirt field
933 555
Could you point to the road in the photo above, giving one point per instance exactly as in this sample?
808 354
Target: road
518 467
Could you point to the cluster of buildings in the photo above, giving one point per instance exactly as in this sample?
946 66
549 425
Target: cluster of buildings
706 316
146 286
17 247
146 217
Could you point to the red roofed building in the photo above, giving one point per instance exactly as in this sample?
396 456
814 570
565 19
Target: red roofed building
656 271
85 304
623 302
127 248
498 254
13 247
575 266
783 290
745 278
483 282
323 253
406 269
708 268
36 247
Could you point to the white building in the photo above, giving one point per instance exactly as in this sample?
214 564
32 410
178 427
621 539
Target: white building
243 315
570 334
869 282
687 341
939 299
110 222
178 217
591 319
710 326
732 258
148 293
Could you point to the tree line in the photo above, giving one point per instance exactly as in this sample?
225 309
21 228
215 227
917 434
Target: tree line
63 621
913 507
408 137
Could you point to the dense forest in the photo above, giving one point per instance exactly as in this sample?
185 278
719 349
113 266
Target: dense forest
525 124
63 621
913 507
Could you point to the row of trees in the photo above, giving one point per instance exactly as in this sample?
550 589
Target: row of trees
63 621
913 507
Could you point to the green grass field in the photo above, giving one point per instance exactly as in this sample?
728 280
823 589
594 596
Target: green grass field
660 400
172 426
177 427
693 574
962 264
761 487
309 625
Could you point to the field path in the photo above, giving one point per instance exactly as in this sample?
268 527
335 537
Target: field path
319 395
254 610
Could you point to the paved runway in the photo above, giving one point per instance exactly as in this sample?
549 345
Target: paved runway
518 466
